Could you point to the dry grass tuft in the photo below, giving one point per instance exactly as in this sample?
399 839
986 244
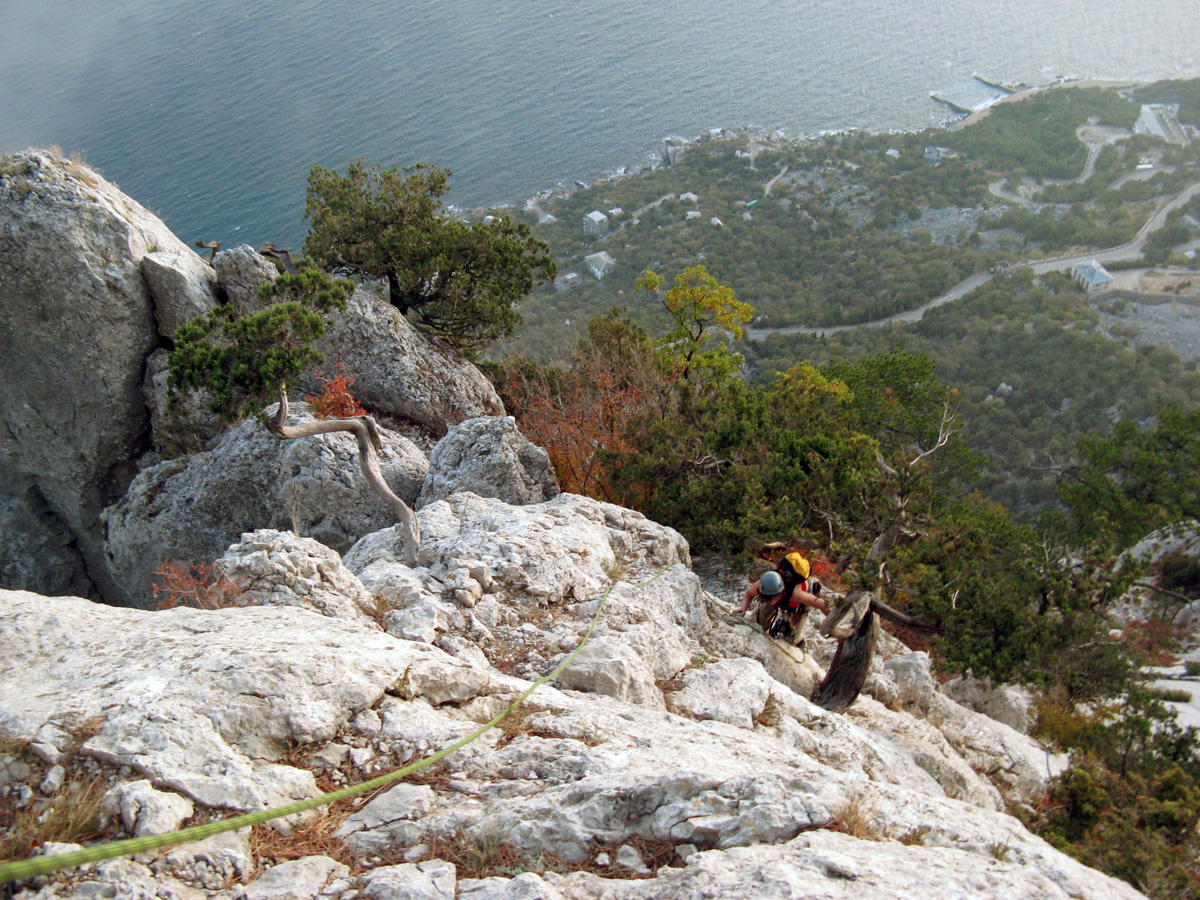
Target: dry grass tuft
772 713
915 837
487 857
72 815
86 730
516 722
857 818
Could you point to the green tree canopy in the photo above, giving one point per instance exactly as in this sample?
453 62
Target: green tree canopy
460 280
1137 480
242 361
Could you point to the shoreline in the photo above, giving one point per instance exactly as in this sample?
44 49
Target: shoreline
778 135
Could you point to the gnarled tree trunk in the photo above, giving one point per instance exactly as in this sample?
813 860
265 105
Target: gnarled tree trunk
366 432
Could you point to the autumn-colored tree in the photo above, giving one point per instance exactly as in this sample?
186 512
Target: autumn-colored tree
335 400
583 415
197 586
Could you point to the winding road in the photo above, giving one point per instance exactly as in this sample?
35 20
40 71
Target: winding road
1127 251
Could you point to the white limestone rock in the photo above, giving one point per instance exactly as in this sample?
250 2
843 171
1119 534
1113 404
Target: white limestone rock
608 665
280 569
432 880
390 820
526 886
143 809
399 372
570 546
211 863
838 867
203 702
729 690
489 457
296 879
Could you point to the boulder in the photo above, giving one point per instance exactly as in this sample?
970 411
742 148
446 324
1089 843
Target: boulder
143 809
77 321
399 372
189 509
276 568
570 546
1011 704
182 285
433 880
488 456
728 690
241 273
296 879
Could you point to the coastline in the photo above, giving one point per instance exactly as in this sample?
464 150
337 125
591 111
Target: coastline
653 159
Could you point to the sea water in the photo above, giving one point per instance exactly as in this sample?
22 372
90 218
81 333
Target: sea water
212 113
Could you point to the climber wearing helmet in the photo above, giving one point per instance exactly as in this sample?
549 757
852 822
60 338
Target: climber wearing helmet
786 589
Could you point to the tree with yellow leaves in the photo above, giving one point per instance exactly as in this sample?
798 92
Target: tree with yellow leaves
705 312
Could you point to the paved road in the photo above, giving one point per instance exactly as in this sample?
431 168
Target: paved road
1095 138
1131 250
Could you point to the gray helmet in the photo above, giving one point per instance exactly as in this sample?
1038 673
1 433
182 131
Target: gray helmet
770 584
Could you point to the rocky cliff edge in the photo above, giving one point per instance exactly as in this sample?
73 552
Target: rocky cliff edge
665 762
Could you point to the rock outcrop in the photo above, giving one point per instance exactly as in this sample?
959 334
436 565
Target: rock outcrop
77 320
488 456
92 290
649 744
188 509
399 372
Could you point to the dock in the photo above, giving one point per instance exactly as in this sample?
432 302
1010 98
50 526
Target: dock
971 96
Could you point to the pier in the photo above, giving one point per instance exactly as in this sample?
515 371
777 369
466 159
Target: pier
971 96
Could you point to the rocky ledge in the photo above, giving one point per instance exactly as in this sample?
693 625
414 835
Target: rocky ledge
677 757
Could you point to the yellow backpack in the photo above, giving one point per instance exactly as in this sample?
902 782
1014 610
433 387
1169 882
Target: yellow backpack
796 563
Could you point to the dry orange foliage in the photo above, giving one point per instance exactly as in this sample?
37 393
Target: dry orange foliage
582 415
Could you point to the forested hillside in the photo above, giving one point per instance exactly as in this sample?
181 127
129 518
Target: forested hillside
982 467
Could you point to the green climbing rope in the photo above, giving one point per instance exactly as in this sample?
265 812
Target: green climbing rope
42 865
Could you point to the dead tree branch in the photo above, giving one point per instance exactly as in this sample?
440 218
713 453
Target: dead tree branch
366 432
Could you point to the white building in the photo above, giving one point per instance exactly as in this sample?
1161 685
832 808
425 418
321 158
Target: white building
567 280
689 197
595 222
600 263
692 214
1161 120
1093 276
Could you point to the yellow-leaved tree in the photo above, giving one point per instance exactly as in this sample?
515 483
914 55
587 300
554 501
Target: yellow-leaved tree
706 315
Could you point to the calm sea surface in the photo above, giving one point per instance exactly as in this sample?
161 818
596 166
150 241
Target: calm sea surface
211 114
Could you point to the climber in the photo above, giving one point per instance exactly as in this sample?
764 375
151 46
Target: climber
786 589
